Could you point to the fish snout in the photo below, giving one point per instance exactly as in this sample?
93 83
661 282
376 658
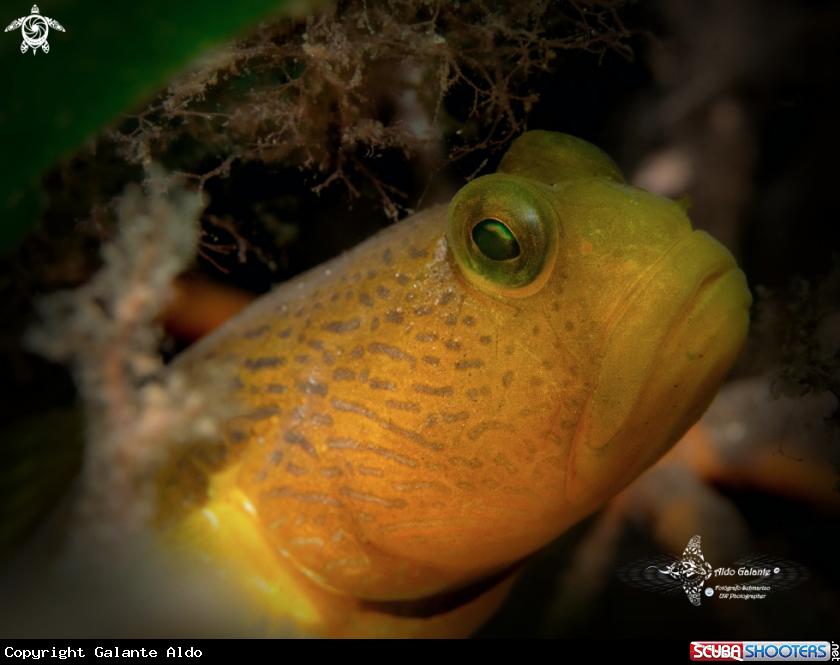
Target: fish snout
661 365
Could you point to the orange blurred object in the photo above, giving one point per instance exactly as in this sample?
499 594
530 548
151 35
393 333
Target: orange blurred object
201 305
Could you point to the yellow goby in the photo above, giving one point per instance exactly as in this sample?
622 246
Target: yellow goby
427 410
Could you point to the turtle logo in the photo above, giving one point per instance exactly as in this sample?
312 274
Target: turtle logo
35 29
691 570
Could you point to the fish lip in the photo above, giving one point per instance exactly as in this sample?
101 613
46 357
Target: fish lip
650 276
707 284
643 281
610 406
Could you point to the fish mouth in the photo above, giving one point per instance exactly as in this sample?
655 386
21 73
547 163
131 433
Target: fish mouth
664 359
708 284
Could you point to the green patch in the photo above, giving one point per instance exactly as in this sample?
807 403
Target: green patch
110 58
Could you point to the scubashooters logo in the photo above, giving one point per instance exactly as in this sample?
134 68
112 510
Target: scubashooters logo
755 575
740 651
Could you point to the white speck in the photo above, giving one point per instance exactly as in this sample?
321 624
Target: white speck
205 427
248 506
328 272
347 563
735 432
440 250
211 518
439 255
667 173
313 576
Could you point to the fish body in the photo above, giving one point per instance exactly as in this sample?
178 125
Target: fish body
425 411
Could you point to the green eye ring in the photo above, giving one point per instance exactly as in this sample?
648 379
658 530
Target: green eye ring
504 235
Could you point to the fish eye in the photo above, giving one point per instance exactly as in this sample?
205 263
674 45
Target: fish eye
495 240
504 233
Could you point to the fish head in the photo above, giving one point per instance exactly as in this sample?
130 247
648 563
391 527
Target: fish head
616 322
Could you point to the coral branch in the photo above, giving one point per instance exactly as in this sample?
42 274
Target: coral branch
107 331
317 92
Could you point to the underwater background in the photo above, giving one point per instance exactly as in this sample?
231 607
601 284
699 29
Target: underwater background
314 130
